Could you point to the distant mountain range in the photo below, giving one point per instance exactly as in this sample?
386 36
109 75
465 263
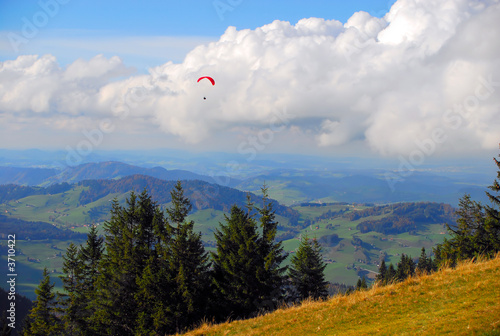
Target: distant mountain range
365 186
91 171
288 186
26 176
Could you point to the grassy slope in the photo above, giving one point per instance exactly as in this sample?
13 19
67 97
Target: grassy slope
460 301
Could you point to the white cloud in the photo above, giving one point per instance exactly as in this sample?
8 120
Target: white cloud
389 83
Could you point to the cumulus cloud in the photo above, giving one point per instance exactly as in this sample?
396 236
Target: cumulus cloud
428 71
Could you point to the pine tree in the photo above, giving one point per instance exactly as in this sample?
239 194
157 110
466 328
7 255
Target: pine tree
42 318
172 293
235 281
156 294
272 274
477 231
469 238
406 268
307 271
130 242
364 285
391 274
492 225
495 199
72 302
156 286
425 264
90 255
361 284
358 284
382 273
187 262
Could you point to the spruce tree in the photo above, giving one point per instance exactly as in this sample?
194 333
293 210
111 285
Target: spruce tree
425 264
382 273
272 274
477 231
72 303
90 255
307 271
235 268
364 284
494 197
156 286
406 268
173 288
187 262
361 284
468 237
391 274
130 241
43 320
492 224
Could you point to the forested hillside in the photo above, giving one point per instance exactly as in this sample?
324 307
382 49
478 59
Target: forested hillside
63 198
36 230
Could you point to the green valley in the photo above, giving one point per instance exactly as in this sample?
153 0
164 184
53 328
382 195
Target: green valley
350 248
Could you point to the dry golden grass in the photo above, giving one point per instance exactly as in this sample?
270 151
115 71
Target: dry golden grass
460 301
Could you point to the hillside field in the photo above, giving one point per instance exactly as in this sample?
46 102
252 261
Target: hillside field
460 301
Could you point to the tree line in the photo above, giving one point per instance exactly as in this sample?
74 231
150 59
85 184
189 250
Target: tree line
36 230
151 275
475 234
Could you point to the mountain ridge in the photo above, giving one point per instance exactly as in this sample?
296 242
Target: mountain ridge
91 171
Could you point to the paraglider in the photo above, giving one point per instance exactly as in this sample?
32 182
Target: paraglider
209 78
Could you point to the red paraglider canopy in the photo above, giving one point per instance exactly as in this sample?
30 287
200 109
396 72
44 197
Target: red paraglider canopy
209 78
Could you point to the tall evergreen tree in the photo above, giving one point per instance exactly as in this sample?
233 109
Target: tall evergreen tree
478 228
382 273
156 286
188 263
236 285
130 242
43 320
174 285
72 303
468 237
361 284
307 271
406 268
425 264
90 255
391 274
272 274
494 197
492 225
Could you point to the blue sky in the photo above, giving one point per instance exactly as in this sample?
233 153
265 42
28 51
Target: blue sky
401 79
188 17
188 22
